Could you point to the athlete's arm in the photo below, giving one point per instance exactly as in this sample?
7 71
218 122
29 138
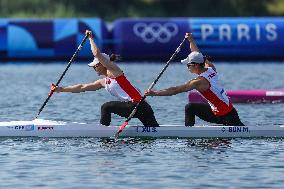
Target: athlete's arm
192 84
105 62
82 87
193 46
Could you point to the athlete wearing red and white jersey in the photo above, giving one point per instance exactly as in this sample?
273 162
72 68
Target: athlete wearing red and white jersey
121 88
219 108
115 84
215 94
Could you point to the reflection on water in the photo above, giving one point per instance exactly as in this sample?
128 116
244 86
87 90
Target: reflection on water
133 143
139 144
214 144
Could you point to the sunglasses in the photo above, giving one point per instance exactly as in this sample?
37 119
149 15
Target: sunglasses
188 65
97 65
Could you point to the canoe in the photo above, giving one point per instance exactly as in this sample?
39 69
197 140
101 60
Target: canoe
48 128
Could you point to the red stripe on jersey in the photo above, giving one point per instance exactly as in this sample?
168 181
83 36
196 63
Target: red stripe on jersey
222 107
128 88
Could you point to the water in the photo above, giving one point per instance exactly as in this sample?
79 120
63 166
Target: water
132 162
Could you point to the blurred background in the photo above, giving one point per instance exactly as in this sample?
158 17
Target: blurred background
225 29
109 10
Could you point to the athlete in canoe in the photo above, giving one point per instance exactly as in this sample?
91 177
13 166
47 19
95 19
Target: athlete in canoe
117 85
219 108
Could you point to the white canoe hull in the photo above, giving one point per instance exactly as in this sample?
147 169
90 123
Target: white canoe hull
46 128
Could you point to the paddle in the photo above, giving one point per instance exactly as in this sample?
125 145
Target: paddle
62 75
151 86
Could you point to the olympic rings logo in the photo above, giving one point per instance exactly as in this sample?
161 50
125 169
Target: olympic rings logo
155 32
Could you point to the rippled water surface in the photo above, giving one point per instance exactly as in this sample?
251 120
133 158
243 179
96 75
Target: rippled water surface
134 162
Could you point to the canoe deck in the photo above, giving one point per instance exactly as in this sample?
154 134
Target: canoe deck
47 128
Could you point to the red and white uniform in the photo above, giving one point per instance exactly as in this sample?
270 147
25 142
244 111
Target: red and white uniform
121 88
216 95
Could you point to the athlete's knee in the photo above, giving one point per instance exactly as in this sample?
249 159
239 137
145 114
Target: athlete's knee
106 114
106 107
189 108
189 115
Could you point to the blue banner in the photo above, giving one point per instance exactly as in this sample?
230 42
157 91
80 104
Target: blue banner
252 38
49 38
148 39
221 38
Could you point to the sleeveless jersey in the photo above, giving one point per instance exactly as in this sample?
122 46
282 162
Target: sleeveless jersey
121 88
216 95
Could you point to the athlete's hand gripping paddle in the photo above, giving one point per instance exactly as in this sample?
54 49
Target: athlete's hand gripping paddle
151 86
53 87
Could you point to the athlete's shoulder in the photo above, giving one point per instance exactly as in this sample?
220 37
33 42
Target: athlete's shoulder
196 81
201 83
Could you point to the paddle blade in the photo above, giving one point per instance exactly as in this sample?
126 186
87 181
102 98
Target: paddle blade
121 129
